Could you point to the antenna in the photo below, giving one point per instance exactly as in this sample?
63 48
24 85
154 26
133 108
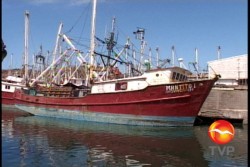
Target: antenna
219 52
10 68
150 56
11 61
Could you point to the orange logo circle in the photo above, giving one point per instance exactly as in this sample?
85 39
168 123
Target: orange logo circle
221 132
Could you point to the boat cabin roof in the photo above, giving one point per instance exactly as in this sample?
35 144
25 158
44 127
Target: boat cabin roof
172 69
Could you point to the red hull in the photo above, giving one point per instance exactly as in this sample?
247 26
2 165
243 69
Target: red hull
8 98
152 101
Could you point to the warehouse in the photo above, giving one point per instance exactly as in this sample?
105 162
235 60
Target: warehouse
233 70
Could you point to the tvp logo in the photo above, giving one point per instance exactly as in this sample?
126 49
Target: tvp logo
221 132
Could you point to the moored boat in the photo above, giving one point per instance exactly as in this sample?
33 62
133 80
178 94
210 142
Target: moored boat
11 83
8 86
143 96
154 98
20 78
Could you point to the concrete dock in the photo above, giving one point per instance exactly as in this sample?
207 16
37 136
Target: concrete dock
226 103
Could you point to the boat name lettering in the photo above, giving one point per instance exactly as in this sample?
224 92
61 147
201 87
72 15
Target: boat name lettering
180 88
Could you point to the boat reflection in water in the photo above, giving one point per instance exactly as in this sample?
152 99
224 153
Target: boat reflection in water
61 142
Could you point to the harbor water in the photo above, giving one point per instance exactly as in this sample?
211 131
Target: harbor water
32 141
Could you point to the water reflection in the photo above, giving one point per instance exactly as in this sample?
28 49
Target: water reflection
40 141
234 153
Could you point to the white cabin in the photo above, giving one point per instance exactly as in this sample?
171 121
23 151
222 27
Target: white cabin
152 77
10 83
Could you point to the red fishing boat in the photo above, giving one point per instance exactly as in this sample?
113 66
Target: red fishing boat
154 98
13 82
143 96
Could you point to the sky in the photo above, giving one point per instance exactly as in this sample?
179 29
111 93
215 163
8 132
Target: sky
184 24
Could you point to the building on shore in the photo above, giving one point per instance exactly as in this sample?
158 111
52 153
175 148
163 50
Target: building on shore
229 97
233 70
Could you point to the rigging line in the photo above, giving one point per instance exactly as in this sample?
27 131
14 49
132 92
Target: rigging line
32 45
78 19
84 25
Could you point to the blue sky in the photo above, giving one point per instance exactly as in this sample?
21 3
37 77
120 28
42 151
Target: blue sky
185 24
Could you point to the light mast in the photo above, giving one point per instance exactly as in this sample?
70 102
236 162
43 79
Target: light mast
26 46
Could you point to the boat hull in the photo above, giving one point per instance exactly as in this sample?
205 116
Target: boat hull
7 93
8 100
161 105
127 119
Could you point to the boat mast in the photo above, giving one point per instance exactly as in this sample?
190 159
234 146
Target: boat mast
34 66
173 56
150 56
218 52
127 68
26 46
140 36
92 41
157 57
56 49
196 62
196 59
10 68
110 45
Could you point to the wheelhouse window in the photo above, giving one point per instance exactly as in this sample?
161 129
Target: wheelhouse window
179 77
174 74
183 77
7 87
